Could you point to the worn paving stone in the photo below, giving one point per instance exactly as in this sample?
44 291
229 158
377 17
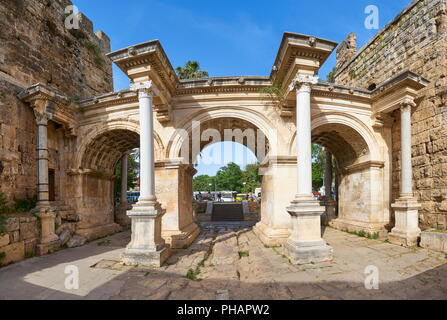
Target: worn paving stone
221 271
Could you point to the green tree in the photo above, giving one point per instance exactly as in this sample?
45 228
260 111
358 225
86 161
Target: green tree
318 161
251 177
202 183
191 70
331 75
276 94
230 178
133 171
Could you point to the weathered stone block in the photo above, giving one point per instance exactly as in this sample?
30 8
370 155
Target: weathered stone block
29 230
14 236
434 240
65 236
12 224
4 240
13 253
76 241
30 247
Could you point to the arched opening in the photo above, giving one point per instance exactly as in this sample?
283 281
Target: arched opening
214 134
95 198
228 174
358 179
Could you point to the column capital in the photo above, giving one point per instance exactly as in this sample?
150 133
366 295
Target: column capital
407 103
145 89
302 81
42 117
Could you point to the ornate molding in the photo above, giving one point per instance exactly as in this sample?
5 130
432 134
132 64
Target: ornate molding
303 80
382 120
145 89
42 117
407 103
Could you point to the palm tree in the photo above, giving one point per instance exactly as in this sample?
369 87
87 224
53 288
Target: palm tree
191 70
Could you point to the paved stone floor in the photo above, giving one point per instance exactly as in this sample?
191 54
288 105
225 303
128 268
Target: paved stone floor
229 262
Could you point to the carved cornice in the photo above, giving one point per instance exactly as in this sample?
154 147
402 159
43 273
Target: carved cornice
298 46
91 172
364 165
43 92
45 100
382 120
405 86
147 54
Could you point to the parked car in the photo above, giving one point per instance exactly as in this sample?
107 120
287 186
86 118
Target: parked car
133 196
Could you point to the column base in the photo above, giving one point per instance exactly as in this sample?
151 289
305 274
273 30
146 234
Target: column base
360 226
329 214
144 258
305 245
308 252
147 248
406 232
271 236
46 248
121 217
181 239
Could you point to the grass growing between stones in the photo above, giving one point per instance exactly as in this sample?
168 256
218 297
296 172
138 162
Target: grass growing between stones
243 254
363 234
271 247
193 274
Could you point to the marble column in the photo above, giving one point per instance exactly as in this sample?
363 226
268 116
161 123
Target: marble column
147 247
406 231
124 168
48 237
121 211
42 119
305 245
329 202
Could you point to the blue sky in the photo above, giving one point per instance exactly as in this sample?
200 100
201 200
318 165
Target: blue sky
232 37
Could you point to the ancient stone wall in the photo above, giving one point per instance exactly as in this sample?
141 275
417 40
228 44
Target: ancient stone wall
36 47
415 40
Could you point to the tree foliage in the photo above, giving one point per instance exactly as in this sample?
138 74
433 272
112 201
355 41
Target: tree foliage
133 171
230 178
331 75
318 163
191 70
202 183
251 177
276 93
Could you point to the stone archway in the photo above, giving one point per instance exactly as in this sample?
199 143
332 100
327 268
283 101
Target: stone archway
215 118
93 174
174 175
361 176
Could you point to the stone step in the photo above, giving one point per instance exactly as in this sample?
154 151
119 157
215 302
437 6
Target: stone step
227 212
